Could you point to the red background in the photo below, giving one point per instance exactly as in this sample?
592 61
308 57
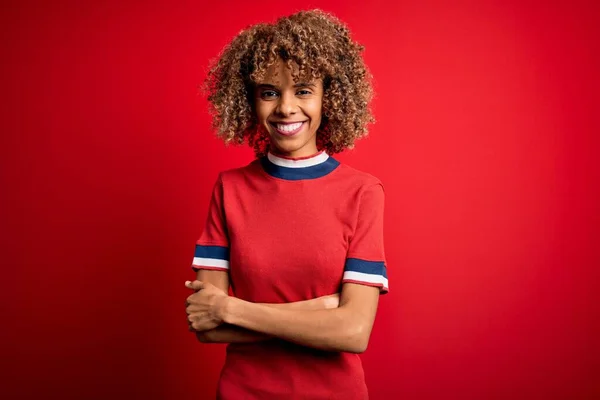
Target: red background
486 142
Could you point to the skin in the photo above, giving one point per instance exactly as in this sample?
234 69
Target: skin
278 98
345 328
226 333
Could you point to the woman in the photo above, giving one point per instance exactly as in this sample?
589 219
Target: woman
295 227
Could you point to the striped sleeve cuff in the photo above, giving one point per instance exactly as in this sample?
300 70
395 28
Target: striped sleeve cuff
211 257
370 273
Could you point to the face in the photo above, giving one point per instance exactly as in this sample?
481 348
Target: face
289 111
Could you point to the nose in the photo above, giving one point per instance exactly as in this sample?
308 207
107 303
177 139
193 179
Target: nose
287 105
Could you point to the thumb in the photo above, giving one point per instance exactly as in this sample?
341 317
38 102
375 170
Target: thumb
196 285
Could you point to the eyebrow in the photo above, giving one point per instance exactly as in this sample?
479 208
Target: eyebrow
297 85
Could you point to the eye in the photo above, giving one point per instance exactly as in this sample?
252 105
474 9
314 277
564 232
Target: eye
268 94
303 92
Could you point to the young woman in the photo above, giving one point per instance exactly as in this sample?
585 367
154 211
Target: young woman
297 235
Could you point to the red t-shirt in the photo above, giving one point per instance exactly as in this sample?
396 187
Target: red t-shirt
288 230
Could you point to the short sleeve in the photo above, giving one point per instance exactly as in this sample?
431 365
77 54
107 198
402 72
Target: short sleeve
212 248
365 261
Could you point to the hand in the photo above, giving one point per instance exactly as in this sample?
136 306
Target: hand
205 307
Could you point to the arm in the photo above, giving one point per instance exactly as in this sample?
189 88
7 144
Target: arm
227 333
346 328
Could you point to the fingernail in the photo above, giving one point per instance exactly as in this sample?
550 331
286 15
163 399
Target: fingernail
187 283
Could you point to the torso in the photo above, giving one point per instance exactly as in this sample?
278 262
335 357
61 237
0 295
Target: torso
289 242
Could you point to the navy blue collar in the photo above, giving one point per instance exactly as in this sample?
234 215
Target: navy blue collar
312 167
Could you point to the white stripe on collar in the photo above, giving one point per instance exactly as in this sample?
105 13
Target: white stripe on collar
308 162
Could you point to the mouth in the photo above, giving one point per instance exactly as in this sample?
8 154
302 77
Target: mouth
288 129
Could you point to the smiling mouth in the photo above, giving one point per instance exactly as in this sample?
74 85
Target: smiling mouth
288 129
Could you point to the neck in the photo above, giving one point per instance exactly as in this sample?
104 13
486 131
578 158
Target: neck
296 156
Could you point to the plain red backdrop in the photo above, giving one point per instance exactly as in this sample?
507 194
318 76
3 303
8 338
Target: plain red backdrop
486 141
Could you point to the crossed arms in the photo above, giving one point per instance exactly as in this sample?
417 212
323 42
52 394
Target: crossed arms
330 323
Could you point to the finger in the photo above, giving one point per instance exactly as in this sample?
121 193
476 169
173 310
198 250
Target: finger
196 285
190 284
187 302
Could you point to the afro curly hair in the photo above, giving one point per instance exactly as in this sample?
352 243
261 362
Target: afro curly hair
321 46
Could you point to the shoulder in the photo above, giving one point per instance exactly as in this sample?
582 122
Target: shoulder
234 175
358 179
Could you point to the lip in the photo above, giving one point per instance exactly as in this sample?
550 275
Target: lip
291 133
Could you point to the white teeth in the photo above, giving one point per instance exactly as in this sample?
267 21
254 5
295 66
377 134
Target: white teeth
288 127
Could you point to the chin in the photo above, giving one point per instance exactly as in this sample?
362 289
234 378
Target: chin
290 145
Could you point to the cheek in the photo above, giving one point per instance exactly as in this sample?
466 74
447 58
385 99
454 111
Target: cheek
315 111
261 112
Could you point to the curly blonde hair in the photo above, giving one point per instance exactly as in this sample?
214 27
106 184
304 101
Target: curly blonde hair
321 46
